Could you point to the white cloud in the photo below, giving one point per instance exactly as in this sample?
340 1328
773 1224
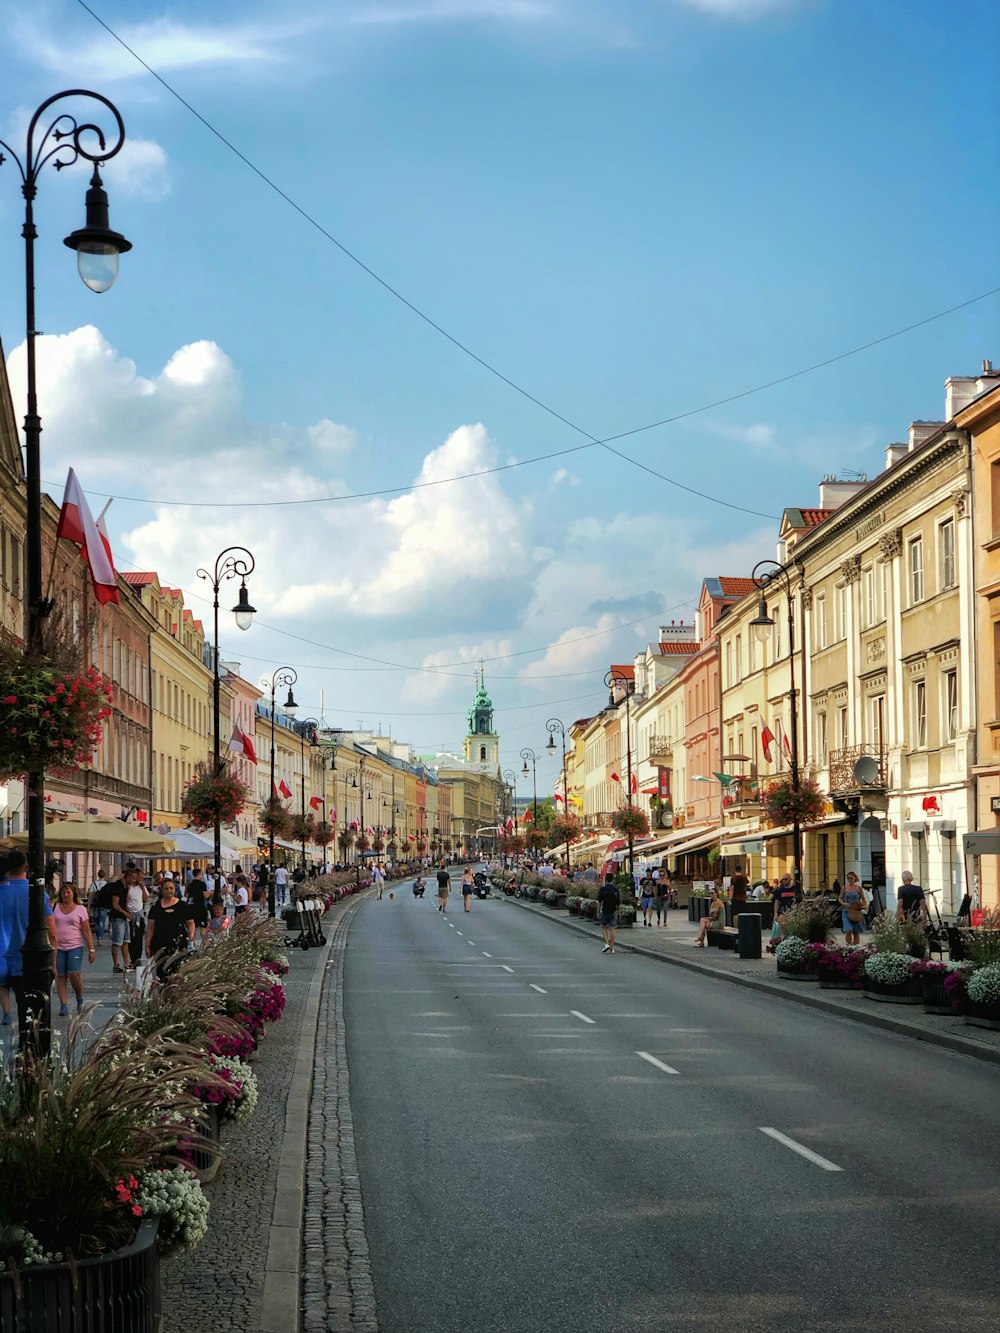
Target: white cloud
450 11
139 171
758 436
738 9
563 475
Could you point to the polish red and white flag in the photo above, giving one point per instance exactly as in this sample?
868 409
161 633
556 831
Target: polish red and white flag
315 802
77 525
284 788
766 741
240 743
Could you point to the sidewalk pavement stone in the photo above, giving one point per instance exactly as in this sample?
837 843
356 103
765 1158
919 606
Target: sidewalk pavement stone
675 944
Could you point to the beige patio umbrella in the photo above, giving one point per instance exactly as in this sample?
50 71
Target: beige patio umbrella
94 834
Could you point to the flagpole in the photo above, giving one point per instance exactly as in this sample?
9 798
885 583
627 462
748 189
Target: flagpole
283 676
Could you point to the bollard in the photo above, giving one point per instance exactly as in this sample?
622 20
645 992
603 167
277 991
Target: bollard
748 934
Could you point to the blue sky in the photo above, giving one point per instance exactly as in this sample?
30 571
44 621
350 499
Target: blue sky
631 210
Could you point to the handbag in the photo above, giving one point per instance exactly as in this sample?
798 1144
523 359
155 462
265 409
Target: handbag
855 912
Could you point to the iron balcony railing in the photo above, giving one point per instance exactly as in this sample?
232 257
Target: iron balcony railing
846 776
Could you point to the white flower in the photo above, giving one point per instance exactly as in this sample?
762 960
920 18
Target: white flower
984 985
177 1199
888 969
790 952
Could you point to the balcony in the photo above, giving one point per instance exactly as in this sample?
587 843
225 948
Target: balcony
844 782
743 797
661 751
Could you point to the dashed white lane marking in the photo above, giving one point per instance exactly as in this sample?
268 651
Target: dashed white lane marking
539 989
487 955
472 942
583 1017
458 932
645 1055
506 968
824 1163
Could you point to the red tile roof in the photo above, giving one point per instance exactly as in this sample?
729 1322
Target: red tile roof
138 580
736 587
680 649
623 672
813 517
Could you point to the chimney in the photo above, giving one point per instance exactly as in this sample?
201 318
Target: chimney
677 632
894 452
922 430
834 491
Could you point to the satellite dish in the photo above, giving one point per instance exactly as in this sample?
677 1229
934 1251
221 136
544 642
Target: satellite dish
866 771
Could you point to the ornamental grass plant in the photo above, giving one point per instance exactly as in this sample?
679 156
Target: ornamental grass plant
810 921
890 935
74 1131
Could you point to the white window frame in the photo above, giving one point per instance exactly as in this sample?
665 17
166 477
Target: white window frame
876 720
843 726
821 746
947 554
915 570
840 612
920 714
819 612
950 695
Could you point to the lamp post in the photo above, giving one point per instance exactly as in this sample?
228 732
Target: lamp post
283 676
228 565
526 754
767 573
62 142
554 726
306 727
510 777
612 679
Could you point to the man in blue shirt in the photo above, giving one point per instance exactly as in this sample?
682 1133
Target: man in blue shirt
14 894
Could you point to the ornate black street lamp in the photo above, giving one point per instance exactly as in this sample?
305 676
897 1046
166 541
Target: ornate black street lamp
554 727
618 682
307 727
62 142
283 676
765 574
510 777
528 754
228 565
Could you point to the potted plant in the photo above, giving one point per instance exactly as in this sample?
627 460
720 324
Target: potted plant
942 985
783 801
630 822
838 966
794 964
983 1003
214 794
274 819
54 703
887 978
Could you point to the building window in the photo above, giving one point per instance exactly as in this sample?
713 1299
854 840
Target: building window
873 601
729 663
995 496
840 612
876 720
946 549
739 657
776 617
819 612
920 714
752 651
821 739
842 728
950 705
916 566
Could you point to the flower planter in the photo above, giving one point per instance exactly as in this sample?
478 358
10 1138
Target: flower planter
935 996
626 924
982 1015
560 901
800 972
117 1292
831 979
905 992
205 1163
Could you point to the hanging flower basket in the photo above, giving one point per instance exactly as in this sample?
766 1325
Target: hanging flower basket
784 804
344 839
273 817
301 828
322 834
53 708
536 840
563 829
211 795
630 822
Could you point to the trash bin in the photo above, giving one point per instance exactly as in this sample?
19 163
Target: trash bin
748 934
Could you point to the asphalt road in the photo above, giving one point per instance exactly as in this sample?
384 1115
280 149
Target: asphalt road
552 1139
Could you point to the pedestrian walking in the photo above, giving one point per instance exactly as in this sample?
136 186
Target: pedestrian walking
198 897
910 901
444 886
72 927
136 898
852 909
281 885
169 929
609 900
95 902
120 920
783 896
378 879
14 928
647 899
661 898
241 898
468 888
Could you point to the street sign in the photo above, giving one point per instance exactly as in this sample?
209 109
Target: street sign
985 843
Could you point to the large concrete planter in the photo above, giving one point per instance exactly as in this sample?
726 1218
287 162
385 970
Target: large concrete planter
907 992
800 972
118 1292
982 1015
831 980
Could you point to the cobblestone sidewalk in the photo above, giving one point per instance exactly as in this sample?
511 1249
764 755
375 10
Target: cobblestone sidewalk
338 1294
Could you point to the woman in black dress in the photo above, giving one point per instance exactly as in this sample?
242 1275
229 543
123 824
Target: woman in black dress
169 929
197 893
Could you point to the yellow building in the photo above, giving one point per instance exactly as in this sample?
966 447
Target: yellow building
981 418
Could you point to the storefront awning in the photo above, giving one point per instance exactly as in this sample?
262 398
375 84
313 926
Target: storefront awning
704 839
737 846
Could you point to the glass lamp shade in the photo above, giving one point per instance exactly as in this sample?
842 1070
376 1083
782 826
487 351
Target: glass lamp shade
762 624
291 707
243 611
97 246
524 770
552 743
97 265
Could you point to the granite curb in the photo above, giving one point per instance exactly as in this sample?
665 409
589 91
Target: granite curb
283 1266
877 1019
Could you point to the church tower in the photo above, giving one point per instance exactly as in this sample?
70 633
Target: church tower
482 744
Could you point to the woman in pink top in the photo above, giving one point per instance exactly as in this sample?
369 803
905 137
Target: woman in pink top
72 932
